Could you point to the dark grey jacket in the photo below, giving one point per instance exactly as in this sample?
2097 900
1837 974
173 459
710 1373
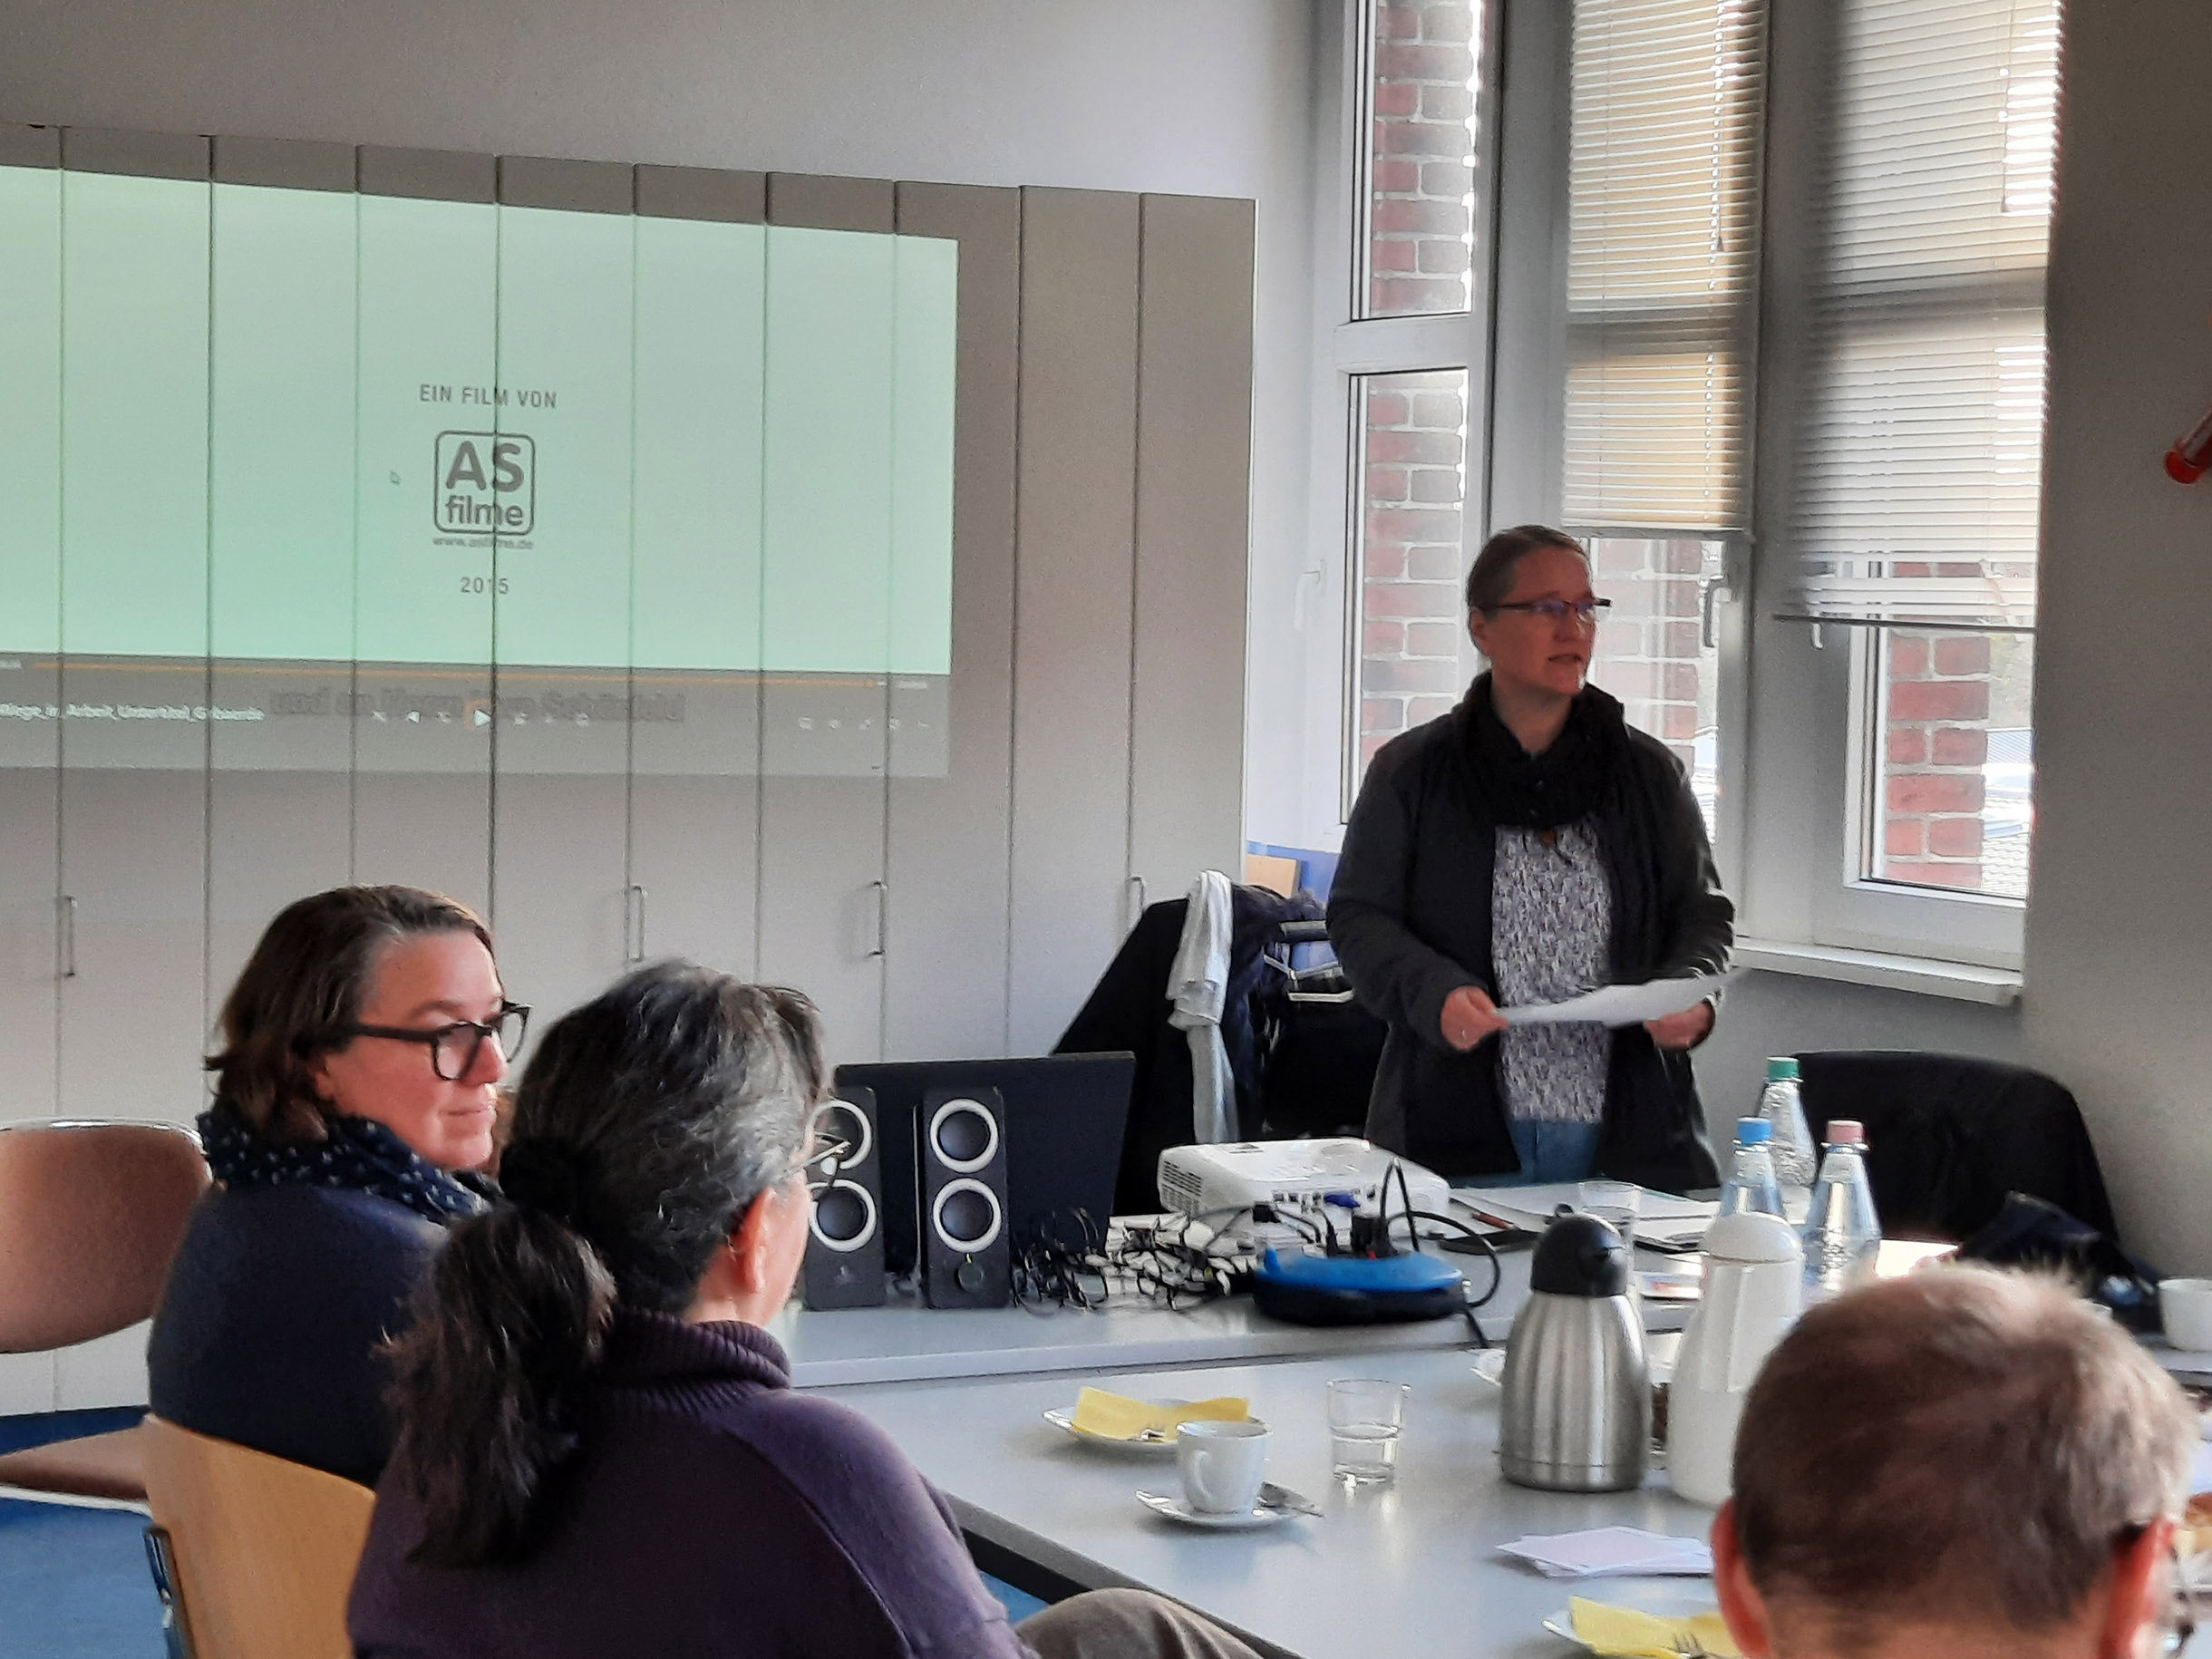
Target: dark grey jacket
1410 918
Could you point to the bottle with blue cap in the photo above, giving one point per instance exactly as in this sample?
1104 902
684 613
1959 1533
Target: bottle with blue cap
1751 1184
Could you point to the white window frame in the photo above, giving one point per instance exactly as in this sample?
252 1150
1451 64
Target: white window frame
1349 348
1792 699
1810 733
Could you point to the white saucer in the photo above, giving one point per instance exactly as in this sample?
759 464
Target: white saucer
1562 1625
1160 1446
1243 1521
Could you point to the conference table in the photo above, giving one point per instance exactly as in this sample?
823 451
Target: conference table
964 1391
1412 1567
903 1341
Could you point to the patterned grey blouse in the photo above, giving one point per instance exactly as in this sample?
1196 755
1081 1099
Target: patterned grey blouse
1551 929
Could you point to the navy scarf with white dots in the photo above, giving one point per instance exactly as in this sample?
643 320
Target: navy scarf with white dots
358 1154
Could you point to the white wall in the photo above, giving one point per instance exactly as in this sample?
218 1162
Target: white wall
2119 935
1195 97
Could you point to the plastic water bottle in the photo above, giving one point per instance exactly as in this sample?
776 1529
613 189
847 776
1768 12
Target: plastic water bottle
1751 1184
1841 1235
1796 1160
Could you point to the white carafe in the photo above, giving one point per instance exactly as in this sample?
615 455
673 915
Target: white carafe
1753 1291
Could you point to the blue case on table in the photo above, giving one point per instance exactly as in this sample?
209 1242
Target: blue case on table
1308 1289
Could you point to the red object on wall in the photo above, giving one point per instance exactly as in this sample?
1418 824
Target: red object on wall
2191 458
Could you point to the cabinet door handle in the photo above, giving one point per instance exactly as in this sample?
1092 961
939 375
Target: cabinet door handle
883 908
68 941
1134 888
633 918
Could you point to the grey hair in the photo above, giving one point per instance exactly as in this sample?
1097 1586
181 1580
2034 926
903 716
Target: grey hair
648 1123
1490 578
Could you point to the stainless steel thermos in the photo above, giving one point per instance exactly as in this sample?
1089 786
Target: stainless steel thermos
1576 1411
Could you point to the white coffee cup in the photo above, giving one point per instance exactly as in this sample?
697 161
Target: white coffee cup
1222 1464
2185 1304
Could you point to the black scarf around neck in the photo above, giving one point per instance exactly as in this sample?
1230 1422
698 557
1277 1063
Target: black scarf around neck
1507 785
359 1154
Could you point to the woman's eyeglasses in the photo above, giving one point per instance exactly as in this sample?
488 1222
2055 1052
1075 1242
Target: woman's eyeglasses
455 1048
1556 611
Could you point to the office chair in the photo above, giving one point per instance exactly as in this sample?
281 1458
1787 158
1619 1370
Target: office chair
262 1551
1950 1135
91 1215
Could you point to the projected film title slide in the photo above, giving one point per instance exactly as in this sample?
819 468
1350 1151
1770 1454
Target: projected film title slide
306 427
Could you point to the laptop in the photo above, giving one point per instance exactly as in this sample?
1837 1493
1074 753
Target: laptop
1066 1115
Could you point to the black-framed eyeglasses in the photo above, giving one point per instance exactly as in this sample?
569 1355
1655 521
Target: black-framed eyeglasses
454 1048
1556 611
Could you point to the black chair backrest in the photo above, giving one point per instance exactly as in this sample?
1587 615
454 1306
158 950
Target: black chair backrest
1949 1135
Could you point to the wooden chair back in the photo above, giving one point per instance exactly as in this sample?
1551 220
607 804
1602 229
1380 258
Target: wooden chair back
264 1550
91 1215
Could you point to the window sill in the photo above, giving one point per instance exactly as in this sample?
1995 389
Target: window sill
1963 982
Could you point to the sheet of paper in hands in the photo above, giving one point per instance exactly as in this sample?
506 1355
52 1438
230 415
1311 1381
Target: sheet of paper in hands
1620 1004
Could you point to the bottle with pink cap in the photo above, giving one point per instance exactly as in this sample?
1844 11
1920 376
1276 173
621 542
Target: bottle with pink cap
1842 1236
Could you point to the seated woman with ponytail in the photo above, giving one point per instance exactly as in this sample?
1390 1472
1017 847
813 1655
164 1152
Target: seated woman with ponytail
599 1449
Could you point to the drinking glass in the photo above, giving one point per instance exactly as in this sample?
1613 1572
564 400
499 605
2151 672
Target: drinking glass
1366 1415
1614 1203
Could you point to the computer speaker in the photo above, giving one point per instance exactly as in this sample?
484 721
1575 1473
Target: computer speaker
960 1189
844 1265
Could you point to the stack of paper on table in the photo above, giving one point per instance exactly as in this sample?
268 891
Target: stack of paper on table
1664 1221
1612 1552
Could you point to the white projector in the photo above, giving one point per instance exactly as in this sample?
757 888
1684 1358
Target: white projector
1216 1181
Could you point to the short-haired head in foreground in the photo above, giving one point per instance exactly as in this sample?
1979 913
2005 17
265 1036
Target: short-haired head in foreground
1962 1451
652 1126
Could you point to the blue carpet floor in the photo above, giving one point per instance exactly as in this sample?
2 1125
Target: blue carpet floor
73 1583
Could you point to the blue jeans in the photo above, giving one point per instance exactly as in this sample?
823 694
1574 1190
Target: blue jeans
1549 1152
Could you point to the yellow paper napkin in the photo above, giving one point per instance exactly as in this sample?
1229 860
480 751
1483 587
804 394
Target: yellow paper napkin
1629 1634
1117 1417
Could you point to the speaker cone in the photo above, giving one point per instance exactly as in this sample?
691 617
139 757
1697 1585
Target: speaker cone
966 1216
844 1216
963 1135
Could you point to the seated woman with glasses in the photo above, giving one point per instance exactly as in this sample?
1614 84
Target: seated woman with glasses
362 1050
600 1451
1525 846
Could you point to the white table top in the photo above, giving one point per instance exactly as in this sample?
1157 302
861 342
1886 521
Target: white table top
905 1342
1412 1567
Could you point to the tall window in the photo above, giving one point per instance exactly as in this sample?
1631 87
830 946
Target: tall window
1408 361
1665 101
1920 432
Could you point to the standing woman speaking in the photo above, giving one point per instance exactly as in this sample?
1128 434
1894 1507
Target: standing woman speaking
1525 846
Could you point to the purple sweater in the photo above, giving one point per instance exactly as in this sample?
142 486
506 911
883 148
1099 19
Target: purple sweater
709 1511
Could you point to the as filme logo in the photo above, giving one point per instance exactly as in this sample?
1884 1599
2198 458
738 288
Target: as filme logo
486 482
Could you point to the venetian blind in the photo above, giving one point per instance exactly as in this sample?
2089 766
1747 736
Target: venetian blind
1919 472
1663 229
